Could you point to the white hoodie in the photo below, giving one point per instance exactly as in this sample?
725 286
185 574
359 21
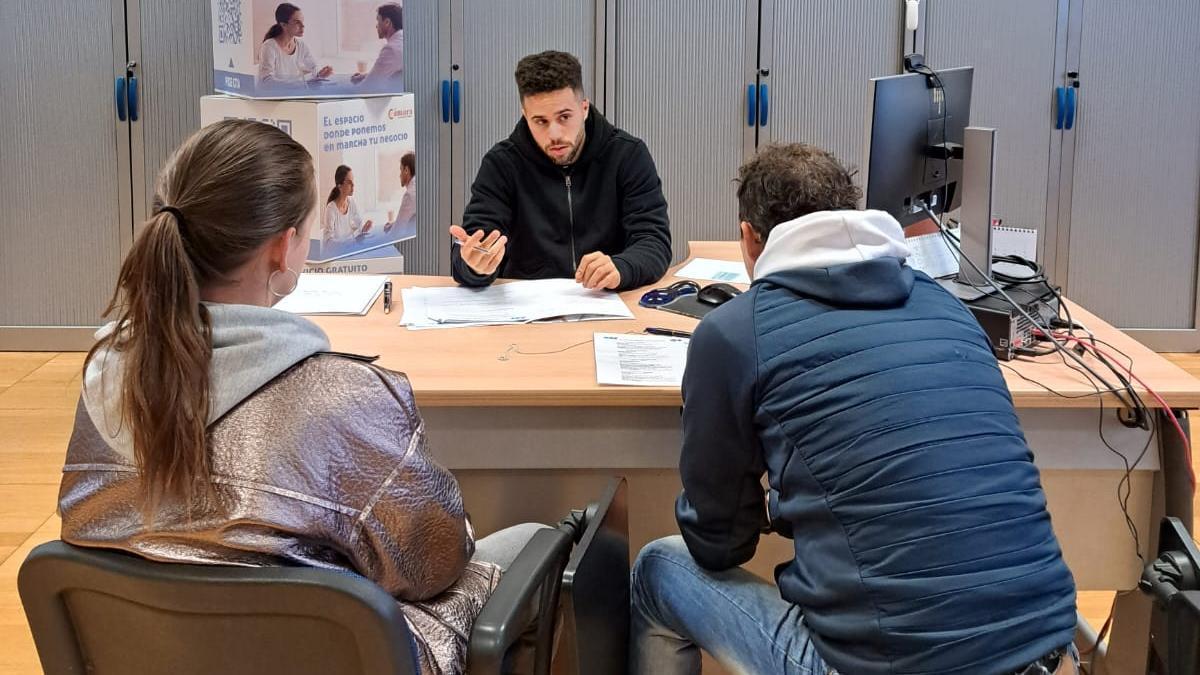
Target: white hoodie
829 238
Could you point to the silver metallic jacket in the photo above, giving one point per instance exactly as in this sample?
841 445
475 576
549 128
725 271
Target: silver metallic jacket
325 466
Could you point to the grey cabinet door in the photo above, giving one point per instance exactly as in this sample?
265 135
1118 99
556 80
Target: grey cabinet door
1012 46
426 64
64 167
1134 199
489 38
681 78
820 56
171 43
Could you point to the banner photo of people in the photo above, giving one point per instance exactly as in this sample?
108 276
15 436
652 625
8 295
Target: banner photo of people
365 160
308 49
369 169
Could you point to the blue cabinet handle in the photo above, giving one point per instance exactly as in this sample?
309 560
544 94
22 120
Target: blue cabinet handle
457 101
1070 108
764 104
751 105
445 101
1060 107
119 96
133 99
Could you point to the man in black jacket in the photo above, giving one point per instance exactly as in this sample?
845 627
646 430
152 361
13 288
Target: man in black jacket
567 194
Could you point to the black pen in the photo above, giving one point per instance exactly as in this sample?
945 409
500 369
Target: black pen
667 332
387 297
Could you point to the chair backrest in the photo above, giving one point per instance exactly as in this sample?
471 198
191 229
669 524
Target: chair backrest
1173 580
101 612
1183 633
595 588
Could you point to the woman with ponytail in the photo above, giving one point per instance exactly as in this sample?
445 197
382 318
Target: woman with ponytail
283 58
214 429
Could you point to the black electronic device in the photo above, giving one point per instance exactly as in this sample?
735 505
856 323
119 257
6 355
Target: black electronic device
915 142
1007 329
717 294
697 305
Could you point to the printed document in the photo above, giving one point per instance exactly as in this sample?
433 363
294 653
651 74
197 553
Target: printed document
640 360
509 303
351 294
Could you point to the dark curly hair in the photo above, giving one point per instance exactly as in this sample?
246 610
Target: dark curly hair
392 12
548 71
785 182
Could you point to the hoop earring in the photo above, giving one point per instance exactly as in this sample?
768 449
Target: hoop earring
271 283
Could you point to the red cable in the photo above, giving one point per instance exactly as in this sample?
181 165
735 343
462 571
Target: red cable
1187 445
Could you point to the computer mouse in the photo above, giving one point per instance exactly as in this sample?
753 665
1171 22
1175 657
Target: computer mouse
717 294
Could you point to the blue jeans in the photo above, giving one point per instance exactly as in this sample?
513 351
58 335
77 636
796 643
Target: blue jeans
679 608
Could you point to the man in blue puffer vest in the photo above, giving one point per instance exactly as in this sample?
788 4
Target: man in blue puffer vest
871 399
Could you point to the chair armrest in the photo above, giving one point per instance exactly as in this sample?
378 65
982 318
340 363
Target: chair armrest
511 608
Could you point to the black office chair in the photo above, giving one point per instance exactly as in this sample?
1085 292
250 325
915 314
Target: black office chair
95 611
595 588
1173 580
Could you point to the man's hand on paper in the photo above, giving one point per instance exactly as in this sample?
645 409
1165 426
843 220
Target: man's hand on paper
597 271
470 250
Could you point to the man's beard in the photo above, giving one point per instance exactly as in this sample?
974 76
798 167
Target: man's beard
575 152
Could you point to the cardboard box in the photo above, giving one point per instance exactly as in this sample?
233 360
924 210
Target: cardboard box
375 138
324 48
380 261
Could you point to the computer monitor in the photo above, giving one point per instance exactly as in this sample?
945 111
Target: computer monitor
914 142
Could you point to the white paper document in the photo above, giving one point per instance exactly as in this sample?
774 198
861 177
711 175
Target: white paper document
932 255
514 302
640 360
351 294
715 270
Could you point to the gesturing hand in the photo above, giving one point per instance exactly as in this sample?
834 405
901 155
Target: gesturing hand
480 262
597 270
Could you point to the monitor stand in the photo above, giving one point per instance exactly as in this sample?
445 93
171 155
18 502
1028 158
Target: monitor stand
975 230
966 292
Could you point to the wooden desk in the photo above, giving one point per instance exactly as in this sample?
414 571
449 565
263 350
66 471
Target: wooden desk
463 366
516 412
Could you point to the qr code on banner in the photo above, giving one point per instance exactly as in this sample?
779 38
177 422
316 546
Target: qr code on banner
229 22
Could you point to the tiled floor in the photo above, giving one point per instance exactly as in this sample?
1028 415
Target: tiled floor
38 394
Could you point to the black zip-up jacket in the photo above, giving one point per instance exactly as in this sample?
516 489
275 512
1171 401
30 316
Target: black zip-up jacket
609 200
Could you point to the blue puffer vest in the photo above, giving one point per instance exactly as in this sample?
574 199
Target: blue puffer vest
870 397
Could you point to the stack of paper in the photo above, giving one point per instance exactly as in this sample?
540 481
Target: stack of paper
333 294
640 360
515 302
